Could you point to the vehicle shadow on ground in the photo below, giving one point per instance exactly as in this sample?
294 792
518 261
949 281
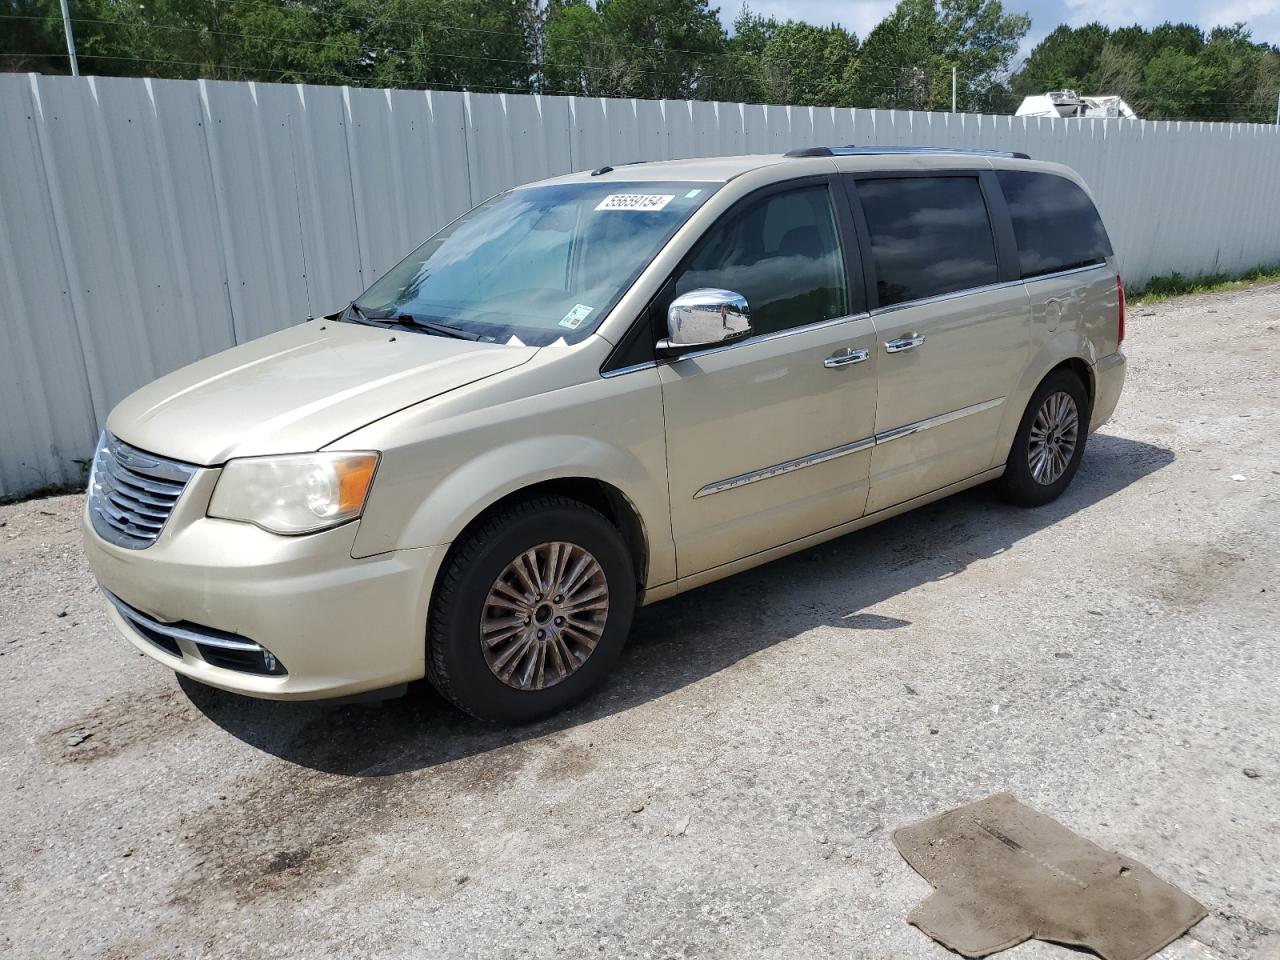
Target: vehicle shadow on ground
690 637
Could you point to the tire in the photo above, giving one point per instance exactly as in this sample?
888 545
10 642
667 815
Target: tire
470 602
1024 484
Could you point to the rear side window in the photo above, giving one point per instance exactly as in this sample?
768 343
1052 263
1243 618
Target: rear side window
929 236
1055 222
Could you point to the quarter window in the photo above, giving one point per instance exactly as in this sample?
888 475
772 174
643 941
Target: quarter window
781 252
1055 222
929 236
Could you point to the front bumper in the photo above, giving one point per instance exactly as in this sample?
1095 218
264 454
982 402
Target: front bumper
1108 380
337 625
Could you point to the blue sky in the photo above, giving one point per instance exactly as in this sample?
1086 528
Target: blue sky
861 15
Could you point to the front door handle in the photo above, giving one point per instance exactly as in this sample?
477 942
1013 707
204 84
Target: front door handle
845 358
903 343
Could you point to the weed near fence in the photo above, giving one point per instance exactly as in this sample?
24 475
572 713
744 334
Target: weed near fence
1175 284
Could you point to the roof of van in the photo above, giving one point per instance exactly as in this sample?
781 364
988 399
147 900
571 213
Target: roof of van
723 169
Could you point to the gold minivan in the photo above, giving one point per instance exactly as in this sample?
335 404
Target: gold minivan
598 391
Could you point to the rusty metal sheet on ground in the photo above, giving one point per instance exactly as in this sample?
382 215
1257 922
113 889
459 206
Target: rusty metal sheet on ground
1004 873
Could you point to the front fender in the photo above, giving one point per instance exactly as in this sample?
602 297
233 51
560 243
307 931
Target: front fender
1061 346
478 484
441 470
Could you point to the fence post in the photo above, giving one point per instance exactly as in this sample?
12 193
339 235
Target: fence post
71 40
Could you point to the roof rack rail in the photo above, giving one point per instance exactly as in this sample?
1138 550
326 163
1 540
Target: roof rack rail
608 168
854 151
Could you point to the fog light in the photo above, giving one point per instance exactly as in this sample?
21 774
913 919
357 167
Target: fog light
269 661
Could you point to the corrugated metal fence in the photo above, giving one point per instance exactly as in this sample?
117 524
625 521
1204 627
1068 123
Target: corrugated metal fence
147 223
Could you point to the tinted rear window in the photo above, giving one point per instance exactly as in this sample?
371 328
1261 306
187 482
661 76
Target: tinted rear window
1057 225
929 236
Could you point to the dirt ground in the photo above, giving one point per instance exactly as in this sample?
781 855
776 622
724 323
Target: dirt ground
1111 659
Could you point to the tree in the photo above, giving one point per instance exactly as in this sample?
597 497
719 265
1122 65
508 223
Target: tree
907 59
483 45
793 62
1173 71
1175 84
1118 73
1067 59
578 57
635 48
810 66
654 48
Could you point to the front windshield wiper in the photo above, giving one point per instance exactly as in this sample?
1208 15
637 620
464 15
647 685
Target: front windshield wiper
409 321
433 326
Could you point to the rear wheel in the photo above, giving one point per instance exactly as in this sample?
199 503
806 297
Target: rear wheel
531 612
1049 443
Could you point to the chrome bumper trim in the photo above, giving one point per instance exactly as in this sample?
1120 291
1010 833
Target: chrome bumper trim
173 632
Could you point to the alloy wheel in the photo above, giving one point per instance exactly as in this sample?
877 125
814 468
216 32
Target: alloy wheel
1054 434
544 615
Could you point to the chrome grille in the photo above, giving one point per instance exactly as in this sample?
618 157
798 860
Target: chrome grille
132 493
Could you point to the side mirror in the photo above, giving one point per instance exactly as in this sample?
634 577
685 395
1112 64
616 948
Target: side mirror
701 319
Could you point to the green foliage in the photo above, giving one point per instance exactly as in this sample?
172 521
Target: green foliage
1176 285
1171 72
907 59
654 49
791 62
633 48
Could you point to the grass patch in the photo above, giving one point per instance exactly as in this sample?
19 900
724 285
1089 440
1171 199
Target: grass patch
1176 285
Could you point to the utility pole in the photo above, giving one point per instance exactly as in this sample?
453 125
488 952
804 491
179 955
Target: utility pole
71 40
953 84
1278 108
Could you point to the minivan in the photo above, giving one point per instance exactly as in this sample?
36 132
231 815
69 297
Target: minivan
595 392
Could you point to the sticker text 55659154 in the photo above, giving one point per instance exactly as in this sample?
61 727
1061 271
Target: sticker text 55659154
643 202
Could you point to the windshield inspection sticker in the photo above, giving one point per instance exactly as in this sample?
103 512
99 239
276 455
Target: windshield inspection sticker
573 319
642 202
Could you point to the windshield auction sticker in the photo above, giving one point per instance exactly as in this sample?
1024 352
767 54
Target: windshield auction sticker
643 202
573 319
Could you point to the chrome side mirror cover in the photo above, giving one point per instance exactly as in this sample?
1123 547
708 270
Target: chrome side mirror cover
702 319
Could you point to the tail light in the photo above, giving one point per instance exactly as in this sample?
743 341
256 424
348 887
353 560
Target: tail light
1120 319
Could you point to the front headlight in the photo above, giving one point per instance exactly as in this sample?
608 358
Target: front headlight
301 493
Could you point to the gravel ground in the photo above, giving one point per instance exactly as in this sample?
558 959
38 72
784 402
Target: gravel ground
1110 659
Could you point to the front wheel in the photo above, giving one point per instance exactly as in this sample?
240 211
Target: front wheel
532 610
1049 443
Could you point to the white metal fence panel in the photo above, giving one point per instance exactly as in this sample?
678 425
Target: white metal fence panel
147 223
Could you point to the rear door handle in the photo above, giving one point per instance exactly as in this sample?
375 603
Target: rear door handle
845 358
903 343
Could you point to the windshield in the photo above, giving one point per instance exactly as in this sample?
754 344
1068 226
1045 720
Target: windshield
534 264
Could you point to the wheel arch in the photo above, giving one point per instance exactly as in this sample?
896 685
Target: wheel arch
601 496
1068 350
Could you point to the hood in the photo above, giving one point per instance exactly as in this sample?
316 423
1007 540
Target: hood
299 390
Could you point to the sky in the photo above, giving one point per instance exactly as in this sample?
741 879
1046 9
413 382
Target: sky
1263 16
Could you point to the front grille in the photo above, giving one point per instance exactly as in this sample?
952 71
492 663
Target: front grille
132 493
191 640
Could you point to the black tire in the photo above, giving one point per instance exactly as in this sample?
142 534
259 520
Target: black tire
1018 484
456 662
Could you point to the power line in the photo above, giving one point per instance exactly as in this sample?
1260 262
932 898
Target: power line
533 64
609 45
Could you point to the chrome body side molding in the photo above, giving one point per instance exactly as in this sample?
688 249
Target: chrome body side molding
822 456
907 429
